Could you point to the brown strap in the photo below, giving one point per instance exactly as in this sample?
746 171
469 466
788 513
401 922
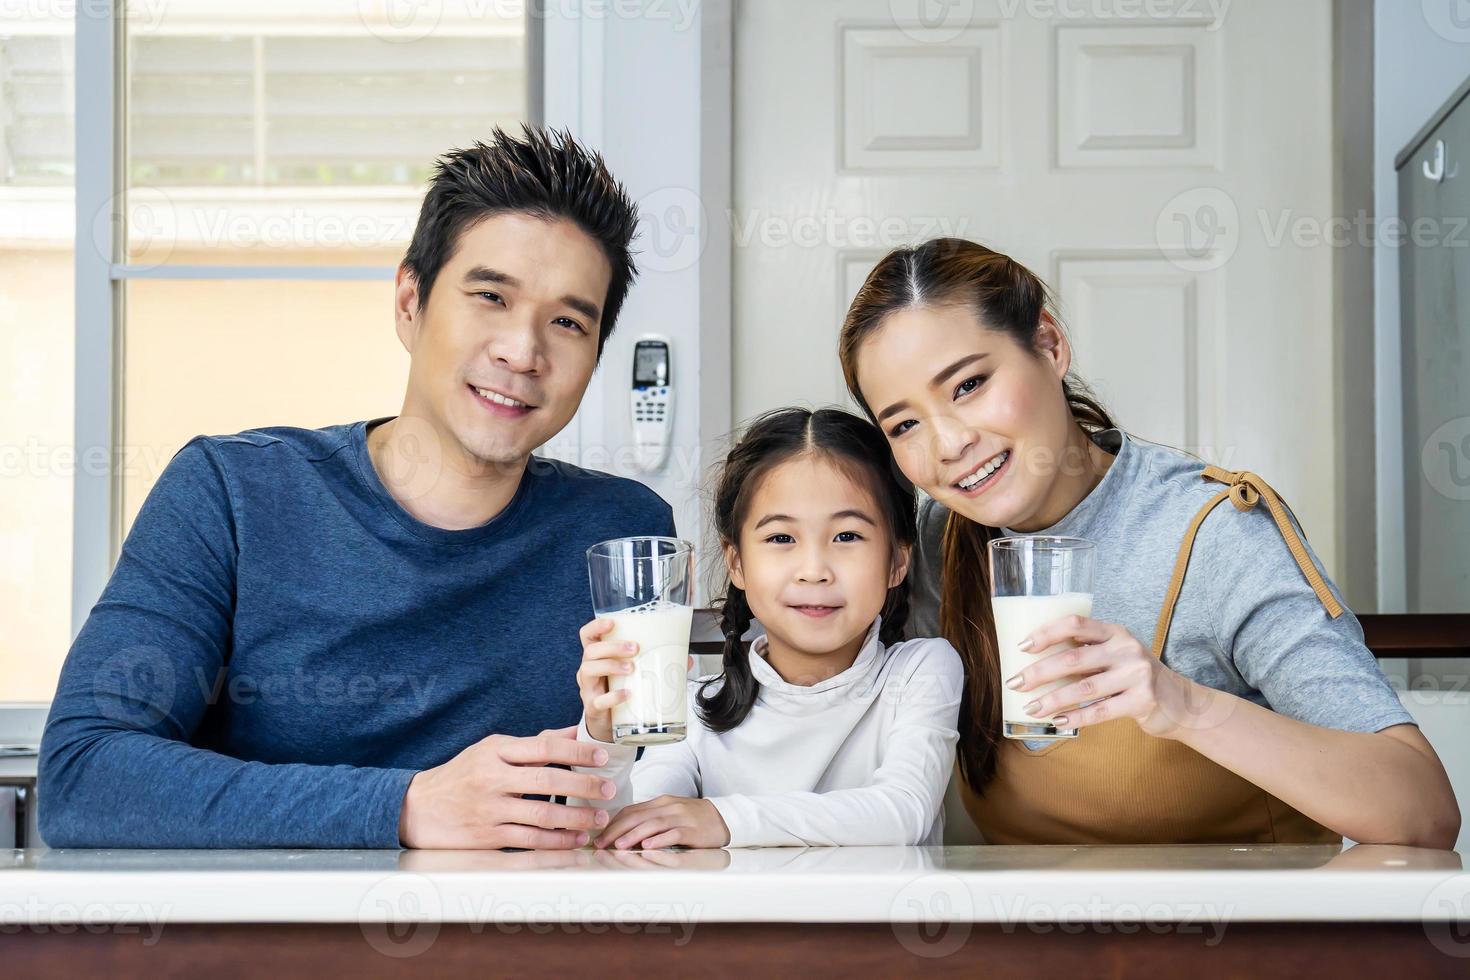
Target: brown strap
1245 490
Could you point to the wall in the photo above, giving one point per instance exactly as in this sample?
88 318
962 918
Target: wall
1420 58
663 123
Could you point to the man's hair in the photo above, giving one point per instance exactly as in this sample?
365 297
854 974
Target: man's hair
544 173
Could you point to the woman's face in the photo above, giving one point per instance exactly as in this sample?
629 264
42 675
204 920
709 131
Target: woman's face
975 420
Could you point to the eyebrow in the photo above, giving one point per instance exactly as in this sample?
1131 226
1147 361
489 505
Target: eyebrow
484 274
939 379
583 306
854 514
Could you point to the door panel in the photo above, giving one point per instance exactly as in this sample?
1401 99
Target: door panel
1170 177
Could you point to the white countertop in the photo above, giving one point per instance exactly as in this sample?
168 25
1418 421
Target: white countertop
1204 885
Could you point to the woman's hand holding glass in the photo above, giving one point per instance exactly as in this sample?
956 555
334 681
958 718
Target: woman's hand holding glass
1113 676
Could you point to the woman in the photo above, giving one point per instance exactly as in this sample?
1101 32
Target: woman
1236 703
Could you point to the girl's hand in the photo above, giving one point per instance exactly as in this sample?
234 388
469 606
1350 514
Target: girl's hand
602 659
664 822
1116 672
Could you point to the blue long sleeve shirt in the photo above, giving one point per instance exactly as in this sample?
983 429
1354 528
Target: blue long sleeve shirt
282 646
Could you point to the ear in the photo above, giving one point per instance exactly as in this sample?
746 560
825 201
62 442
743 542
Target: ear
406 316
1053 345
732 565
900 571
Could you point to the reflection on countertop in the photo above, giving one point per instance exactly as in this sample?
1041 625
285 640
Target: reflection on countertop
776 860
827 884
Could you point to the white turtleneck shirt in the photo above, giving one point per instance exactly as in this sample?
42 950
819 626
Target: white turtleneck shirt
862 757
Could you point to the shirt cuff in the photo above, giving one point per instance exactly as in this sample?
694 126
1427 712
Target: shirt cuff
620 759
383 821
740 817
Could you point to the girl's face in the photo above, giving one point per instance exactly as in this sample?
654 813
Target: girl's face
814 557
975 420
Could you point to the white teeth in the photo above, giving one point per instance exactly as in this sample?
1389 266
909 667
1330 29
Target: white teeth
984 471
499 399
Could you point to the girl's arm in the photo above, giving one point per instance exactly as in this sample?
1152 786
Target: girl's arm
906 793
663 768
671 770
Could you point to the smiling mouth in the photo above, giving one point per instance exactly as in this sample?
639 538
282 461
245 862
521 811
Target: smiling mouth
816 612
984 475
495 398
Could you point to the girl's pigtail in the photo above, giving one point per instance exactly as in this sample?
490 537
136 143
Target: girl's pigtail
738 688
895 614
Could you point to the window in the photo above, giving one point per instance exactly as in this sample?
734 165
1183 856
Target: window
273 155
36 351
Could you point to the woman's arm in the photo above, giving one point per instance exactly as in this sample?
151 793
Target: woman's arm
1385 787
1335 743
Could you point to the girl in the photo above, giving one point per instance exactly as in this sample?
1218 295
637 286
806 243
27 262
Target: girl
826 731
1237 705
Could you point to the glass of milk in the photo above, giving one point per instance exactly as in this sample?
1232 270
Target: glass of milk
645 586
1035 580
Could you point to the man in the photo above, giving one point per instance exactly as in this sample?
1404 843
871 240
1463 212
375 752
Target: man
352 636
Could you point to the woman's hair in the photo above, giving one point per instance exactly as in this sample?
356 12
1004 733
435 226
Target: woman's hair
855 446
1006 296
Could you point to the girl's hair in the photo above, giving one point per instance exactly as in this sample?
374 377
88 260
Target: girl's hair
858 448
1006 296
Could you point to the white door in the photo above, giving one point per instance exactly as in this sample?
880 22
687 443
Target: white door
1166 167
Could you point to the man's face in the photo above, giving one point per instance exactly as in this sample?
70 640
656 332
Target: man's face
503 350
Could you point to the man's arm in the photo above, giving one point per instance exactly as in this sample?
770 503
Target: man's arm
116 767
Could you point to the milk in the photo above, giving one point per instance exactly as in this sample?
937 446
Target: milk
1016 617
657 711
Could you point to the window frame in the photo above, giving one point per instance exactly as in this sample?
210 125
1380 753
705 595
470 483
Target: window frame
575 81
102 274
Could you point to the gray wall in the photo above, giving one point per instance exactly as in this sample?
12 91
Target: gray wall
1420 58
